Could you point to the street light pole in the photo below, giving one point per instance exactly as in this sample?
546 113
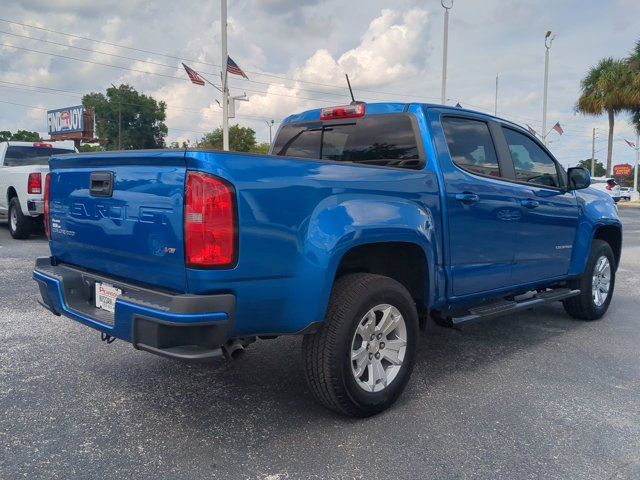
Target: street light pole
270 125
495 105
445 45
548 40
225 87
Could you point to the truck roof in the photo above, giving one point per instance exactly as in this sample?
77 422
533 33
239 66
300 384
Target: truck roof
391 107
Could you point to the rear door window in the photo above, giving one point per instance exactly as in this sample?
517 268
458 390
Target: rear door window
471 146
388 140
532 163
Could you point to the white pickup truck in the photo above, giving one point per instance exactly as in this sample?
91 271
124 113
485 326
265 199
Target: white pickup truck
23 168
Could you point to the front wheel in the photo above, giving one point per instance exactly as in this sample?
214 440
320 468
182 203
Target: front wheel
361 359
596 284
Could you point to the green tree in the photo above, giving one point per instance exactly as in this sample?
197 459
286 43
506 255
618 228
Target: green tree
140 118
598 170
634 65
19 136
609 88
262 148
90 148
241 139
25 136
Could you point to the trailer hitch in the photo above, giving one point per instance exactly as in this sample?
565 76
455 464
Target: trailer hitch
106 337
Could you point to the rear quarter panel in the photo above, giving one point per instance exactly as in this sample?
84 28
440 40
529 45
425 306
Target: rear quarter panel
17 178
297 218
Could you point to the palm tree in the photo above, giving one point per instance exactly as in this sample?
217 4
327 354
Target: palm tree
608 87
634 64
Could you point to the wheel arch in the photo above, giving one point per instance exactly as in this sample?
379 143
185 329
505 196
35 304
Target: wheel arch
405 262
612 234
11 193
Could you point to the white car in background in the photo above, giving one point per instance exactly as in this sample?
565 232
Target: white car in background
608 185
23 169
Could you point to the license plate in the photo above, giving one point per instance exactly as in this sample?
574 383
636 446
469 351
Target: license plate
106 296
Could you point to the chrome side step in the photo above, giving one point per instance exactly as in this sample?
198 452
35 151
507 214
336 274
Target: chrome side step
503 307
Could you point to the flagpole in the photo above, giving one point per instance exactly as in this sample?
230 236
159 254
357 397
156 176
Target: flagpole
225 88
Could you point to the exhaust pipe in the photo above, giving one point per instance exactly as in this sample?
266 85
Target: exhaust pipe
233 349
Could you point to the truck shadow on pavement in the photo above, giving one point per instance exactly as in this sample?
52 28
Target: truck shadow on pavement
267 384
38 234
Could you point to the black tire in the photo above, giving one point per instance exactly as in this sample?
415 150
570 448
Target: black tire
583 307
327 353
22 226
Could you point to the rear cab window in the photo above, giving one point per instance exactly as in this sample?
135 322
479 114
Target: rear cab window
385 140
19 155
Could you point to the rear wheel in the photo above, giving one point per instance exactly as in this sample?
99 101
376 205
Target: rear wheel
596 284
361 359
19 224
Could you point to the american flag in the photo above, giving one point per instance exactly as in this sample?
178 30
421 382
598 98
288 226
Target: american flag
232 67
193 76
558 128
531 130
631 144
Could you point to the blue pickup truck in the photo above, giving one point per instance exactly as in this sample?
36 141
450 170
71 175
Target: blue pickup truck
364 221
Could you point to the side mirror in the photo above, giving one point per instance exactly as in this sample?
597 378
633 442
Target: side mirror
578 178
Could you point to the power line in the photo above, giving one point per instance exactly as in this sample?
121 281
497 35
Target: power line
505 115
69 93
173 67
281 77
182 79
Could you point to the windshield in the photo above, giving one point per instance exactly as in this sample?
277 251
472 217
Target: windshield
29 155
378 140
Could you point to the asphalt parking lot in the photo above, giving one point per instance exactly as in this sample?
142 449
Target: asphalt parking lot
528 397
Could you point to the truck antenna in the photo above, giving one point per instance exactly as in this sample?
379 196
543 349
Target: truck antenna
353 100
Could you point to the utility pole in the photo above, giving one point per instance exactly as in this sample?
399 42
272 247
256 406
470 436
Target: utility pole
593 153
447 7
495 105
270 125
548 40
119 118
225 86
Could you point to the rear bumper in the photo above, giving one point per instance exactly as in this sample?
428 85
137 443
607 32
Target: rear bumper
182 326
35 207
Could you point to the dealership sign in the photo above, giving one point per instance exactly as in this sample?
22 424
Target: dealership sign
66 120
622 170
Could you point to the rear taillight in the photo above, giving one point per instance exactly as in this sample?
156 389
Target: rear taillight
210 236
34 184
46 211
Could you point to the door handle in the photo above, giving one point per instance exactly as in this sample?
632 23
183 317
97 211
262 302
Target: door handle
467 197
528 203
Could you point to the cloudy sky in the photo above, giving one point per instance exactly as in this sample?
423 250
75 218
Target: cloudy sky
295 53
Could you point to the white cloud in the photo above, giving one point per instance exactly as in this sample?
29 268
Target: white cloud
385 54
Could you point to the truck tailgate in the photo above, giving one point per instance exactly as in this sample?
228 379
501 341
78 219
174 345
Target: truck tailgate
121 214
